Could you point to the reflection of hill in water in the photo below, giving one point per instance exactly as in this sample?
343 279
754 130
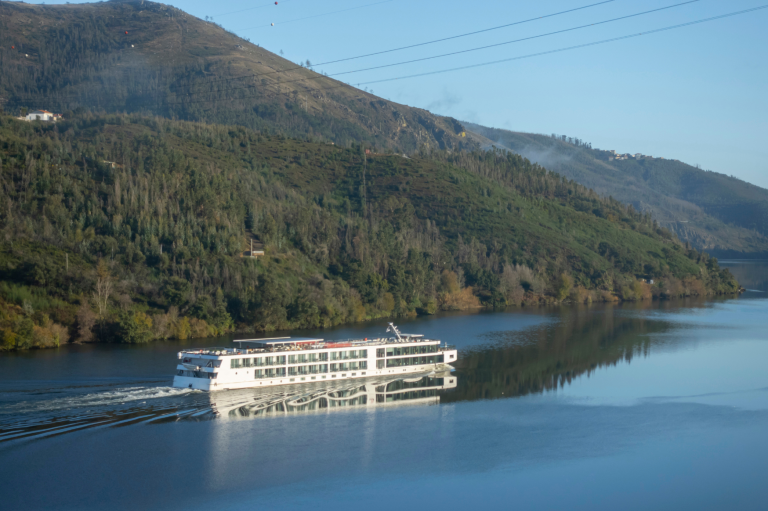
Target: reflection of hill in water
750 274
328 396
516 363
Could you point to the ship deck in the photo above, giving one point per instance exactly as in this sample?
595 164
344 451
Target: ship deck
287 344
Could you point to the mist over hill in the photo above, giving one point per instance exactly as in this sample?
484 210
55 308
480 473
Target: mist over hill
721 214
137 56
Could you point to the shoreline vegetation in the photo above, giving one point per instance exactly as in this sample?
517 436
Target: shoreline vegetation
127 228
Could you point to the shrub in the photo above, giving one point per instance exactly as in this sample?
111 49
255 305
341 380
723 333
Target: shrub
134 327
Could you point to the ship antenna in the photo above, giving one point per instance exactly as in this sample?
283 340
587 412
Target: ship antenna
393 328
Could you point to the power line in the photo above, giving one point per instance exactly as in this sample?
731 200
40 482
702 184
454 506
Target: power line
456 52
515 40
433 41
466 34
531 55
559 50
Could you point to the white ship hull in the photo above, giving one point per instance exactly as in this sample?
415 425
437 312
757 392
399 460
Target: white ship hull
250 383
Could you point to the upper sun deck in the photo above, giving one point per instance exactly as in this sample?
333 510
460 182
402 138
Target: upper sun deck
288 344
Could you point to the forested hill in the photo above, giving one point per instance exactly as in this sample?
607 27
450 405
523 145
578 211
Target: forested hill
132 228
712 211
153 58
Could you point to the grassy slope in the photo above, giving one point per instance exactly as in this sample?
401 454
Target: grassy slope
175 65
713 211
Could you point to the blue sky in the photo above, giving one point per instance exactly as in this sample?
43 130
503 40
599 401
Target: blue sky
697 94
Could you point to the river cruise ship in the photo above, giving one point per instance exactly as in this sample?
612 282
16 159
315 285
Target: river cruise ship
286 361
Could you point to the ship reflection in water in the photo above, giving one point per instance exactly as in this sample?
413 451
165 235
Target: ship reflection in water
330 396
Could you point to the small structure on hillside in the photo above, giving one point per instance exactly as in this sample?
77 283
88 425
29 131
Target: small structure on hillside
257 250
42 115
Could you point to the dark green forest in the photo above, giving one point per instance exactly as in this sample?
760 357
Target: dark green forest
130 228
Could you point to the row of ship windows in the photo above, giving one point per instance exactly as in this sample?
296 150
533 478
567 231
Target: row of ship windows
276 372
414 361
406 350
310 369
237 363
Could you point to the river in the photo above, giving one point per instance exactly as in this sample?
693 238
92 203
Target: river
637 406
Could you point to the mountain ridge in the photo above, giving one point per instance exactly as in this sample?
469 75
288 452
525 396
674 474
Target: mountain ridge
714 212
131 56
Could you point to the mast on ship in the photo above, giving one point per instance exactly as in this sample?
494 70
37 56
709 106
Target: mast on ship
393 328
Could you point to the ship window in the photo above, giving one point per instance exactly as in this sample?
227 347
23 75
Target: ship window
234 363
380 353
379 364
398 362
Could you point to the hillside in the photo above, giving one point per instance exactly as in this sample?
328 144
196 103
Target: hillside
714 212
131 228
156 59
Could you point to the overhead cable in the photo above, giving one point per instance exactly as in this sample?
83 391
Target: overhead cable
436 40
341 73
466 34
521 57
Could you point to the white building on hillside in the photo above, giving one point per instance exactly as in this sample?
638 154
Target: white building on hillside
42 115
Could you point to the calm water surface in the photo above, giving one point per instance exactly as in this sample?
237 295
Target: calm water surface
654 406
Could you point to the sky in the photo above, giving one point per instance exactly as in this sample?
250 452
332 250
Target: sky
697 93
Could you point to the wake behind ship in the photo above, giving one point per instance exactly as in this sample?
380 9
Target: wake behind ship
285 361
